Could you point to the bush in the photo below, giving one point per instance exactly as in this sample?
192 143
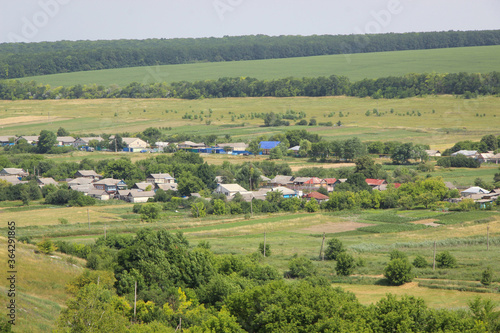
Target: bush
398 272
150 211
63 220
268 249
46 246
445 260
334 248
487 277
396 254
301 267
345 264
420 262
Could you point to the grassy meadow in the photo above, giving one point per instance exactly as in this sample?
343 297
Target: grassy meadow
479 59
444 120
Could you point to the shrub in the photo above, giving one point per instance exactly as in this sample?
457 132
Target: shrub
487 277
301 267
63 220
445 260
398 272
150 211
420 262
396 254
334 248
311 206
268 249
46 246
345 264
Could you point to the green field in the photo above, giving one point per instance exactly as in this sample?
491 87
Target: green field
453 119
480 59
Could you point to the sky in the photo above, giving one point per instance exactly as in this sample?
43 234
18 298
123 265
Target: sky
53 20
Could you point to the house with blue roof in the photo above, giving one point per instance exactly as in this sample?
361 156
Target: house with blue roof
266 146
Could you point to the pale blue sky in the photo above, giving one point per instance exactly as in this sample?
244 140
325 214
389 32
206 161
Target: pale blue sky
51 20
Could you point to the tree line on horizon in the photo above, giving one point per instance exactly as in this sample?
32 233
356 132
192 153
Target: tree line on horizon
31 59
469 85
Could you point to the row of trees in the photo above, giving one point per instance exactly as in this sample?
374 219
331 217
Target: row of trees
31 59
390 87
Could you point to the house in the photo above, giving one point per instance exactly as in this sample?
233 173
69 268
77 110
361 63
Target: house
433 153
488 158
330 183
263 180
160 178
134 144
46 181
122 195
80 181
13 180
143 186
99 194
65 140
167 187
316 195
376 184
233 147
314 182
136 196
467 153
160 145
266 146
31 139
286 192
84 188
473 190
90 174
229 189
7 140
190 145
110 185
280 180
13 172
295 150
86 141
259 195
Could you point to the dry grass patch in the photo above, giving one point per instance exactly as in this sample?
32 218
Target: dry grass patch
435 298
335 227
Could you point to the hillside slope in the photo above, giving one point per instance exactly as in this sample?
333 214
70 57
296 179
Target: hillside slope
479 59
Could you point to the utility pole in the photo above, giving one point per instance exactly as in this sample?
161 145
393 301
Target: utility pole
434 260
321 254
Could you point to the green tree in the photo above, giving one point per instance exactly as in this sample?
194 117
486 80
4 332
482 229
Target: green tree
188 183
46 141
219 207
150 211
345 264
445 260
46 246
301 267
487 276
311 206
420 262
268 249
92 311
398 271
490 141
198 209
275 154
62 132
334 249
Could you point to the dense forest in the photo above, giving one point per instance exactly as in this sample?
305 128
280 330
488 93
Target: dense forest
30 59
410 85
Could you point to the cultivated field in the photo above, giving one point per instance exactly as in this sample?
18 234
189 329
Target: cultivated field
444 120
355 66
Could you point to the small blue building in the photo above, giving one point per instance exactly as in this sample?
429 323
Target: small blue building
266 146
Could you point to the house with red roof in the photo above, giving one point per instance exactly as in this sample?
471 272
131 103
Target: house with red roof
376 184
330 183
316 195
